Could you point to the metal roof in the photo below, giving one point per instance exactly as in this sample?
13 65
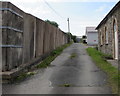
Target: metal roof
91 29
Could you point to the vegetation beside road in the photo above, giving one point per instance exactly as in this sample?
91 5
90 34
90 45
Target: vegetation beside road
24 75
46 62
112 72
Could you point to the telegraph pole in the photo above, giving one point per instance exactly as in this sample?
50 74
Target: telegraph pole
68 25
69 30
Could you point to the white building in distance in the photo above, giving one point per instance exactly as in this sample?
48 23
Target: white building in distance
92 36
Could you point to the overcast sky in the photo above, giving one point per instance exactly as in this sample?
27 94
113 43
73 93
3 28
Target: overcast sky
82 13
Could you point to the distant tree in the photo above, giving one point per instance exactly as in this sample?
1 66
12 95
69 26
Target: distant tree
52 23
84 37
73 37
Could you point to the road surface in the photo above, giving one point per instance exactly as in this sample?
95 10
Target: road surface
79 72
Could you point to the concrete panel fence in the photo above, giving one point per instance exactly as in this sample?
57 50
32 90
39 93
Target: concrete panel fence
24 37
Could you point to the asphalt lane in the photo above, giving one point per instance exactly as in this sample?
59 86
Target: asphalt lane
79 72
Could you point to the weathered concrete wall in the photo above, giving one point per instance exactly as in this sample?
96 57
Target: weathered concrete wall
28 37
29 25
0 38
12 27
40 27
108 26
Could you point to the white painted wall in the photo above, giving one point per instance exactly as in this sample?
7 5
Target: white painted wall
92 38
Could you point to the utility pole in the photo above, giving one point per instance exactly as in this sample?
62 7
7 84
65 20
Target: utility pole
69 30
68 25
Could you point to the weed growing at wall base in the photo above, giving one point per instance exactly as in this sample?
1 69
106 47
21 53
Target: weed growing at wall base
24 75
46 62
112 72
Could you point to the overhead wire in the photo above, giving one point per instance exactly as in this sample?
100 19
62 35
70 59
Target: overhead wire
53 9
57 13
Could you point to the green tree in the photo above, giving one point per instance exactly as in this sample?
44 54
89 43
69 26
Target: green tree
84 37
73 37
52 23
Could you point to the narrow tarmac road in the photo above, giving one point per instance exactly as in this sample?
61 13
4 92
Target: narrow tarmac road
79 72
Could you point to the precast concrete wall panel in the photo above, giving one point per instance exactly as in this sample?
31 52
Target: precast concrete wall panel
12 33
49 38
4 50
40 29
1 38
54 37
13 16
60 38
46 38
24 37
28 37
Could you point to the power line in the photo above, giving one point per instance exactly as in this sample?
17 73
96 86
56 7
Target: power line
57 13
52 8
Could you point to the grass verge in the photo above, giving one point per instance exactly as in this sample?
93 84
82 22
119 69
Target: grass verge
46 62
112 72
